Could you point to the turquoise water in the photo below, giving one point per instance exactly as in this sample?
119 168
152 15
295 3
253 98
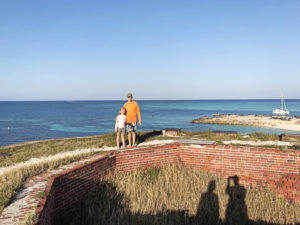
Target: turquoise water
26 121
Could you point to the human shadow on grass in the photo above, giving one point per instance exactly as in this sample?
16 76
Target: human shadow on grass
107 206
208 208
236 212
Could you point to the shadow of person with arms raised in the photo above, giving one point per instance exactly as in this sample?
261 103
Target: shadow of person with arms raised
236 211
208 208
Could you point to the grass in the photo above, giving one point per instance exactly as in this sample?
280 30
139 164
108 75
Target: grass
177 194
31 219
40 195
243 137
26 151
12 181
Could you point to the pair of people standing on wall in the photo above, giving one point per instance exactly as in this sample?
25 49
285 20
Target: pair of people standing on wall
127 118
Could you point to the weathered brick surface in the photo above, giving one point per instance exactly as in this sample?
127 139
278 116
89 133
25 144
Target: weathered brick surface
68 187
147 157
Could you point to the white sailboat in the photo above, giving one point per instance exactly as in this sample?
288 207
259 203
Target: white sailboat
283 110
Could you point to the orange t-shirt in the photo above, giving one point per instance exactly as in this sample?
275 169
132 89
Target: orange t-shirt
132 109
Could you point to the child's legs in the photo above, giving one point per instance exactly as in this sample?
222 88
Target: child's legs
123 139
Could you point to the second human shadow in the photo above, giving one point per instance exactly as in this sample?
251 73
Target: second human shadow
208 208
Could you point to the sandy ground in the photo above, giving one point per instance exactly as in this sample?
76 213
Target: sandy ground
251 120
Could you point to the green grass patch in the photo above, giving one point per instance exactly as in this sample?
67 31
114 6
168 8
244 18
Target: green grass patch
26 151
40 195
151 174
264 137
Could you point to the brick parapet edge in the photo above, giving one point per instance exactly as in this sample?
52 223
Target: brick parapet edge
268 168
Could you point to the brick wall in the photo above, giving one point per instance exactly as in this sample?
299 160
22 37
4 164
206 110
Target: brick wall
148 156
274 169
269 168
67 188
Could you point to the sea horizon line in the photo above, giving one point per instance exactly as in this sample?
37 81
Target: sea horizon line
102 100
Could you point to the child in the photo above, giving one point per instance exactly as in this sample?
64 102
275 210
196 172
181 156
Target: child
120 126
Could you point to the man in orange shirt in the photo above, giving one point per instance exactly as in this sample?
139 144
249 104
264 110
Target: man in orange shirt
133 110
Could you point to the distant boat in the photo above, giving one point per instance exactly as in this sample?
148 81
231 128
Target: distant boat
283 110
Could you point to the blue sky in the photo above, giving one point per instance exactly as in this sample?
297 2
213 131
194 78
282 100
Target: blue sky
100 50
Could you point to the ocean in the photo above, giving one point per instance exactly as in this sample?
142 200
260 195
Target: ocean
27 121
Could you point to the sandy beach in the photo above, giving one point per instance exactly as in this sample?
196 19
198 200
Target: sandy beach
251 120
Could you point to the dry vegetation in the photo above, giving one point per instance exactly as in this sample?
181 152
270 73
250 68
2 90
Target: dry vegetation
245 137
12 181
178 194
23 152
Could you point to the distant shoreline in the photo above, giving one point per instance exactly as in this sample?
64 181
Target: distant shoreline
252 120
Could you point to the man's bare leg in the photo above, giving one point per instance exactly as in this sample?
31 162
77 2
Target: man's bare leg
129 138
133 138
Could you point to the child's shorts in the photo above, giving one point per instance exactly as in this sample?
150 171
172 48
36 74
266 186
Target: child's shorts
121 130
131 127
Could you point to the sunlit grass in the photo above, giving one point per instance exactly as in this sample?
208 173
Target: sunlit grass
26 151
172 195
11 182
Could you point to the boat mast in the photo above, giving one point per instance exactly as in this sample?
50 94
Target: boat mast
283 106
282 101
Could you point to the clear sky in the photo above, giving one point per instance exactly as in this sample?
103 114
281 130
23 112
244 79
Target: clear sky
100 50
